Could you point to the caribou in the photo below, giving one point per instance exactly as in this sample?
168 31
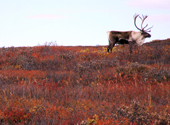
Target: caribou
129 37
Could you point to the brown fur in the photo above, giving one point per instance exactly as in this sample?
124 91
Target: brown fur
127 37
117 37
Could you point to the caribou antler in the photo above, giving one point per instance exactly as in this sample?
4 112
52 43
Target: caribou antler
148 30
135 17
143 18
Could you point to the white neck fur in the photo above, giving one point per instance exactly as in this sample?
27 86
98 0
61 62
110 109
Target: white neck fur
136 36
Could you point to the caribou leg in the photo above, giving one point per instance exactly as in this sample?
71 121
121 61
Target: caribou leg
131 43
111 45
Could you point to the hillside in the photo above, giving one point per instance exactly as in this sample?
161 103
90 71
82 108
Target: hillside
85 85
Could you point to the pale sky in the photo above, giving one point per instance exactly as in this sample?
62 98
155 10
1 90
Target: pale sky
77 22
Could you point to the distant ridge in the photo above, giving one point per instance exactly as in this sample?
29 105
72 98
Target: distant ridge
156 42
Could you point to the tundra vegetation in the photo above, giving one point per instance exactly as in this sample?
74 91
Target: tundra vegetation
85 85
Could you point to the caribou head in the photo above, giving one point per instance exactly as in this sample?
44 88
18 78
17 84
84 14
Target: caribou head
143 30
